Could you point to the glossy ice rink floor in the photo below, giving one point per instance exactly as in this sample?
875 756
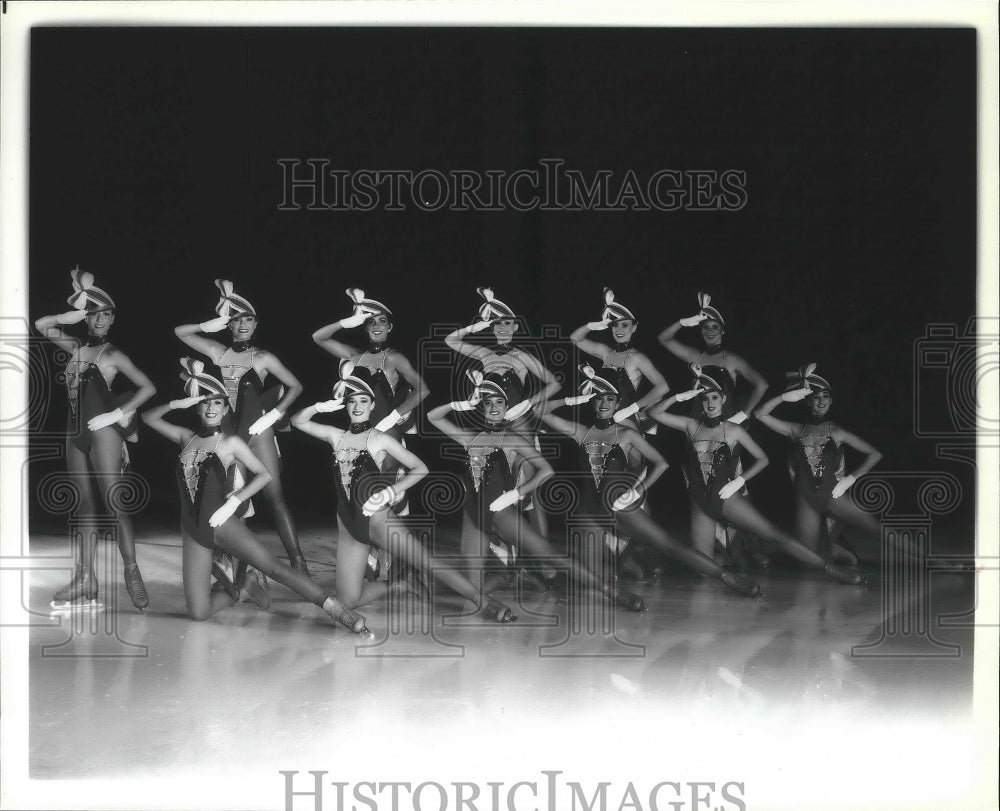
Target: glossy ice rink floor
702 675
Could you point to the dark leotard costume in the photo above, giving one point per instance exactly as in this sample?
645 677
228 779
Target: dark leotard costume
608 466
386 398
710 464
487 476
249 397
90 395
816 464
357 477
617 372
205 484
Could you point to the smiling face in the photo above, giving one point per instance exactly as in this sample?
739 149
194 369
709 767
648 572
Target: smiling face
819 403
212 410
378 328
605 405
359 407
243 327
623 329
99 322
712 332
494 408
504 329
712 402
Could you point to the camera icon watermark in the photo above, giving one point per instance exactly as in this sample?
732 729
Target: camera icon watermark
955 375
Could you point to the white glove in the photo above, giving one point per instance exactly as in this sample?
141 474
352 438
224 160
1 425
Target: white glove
378 500
734 486
505 500
104 420
795 395
684 396
126 418
579 400
630 496
479 326
693 321
462 405
186 402
388 421
259 426
71 317
597 326
843 486
738 418
326 406
216 324
225 512
623 414
355 320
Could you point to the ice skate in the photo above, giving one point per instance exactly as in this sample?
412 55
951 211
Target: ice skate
494 610
255 589
135 587
843 574
740 584
633 602
80 594
342 614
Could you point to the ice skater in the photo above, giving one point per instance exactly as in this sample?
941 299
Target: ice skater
213 494
98 425
365 494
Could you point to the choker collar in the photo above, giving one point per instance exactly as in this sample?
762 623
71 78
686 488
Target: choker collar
496 427
97 340
502 349
711 422
602 423
374 349
242 346
814 420
625 347
713 350
209 430
360 427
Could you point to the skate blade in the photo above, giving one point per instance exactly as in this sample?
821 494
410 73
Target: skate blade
76 607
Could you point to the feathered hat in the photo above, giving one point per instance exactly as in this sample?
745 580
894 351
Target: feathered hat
85 295
594 384
614 311
493 308
704 300
369 306
350 383
230 304
199 384
806 376
705 382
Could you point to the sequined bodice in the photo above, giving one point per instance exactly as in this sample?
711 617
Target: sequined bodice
814 448
705 451
233 372
75 370
481 460
598 453
351 462
191 463
619 362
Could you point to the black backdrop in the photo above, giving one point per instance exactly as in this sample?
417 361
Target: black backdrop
153 164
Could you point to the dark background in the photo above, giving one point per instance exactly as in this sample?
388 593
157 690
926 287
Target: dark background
154 165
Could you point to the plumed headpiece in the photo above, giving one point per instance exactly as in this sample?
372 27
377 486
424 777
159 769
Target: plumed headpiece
230 304
85 295
199 384
613 311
